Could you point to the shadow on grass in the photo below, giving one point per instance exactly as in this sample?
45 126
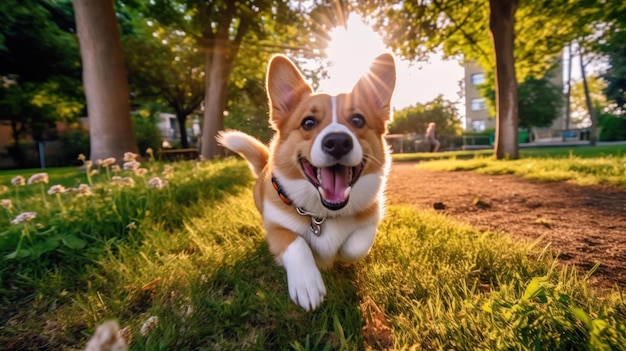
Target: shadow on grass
244 305
30 284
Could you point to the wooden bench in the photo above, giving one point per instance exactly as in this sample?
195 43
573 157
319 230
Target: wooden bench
178 154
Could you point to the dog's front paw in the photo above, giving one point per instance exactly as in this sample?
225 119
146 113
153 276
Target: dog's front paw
306 287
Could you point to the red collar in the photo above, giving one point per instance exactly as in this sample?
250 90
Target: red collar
316 222
280 191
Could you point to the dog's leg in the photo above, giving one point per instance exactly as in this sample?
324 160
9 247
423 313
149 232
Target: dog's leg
306 287
358 244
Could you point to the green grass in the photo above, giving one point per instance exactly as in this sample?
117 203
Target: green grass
548 152
584 165
194 255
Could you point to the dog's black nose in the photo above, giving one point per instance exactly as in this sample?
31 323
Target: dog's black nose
337 144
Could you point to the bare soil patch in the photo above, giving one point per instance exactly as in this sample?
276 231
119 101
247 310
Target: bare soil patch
585 225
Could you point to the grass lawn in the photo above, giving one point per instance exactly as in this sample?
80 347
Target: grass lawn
193 254
582 165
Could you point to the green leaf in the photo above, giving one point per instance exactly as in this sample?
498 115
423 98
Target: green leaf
50 244
73 242
21 253
536 288
582 316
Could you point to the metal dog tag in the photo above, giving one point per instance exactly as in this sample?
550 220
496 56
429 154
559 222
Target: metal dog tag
316 226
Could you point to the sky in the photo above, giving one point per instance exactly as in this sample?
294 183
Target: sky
353 50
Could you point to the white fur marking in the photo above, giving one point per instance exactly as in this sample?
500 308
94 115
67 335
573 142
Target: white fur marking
333 103
284 216
306 287
319 158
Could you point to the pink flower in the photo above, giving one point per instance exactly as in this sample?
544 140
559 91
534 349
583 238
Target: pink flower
157 183
6 203
18 180
24 217
38 178
129 156
56 189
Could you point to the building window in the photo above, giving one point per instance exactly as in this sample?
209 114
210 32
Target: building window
478 78
478 104
478 126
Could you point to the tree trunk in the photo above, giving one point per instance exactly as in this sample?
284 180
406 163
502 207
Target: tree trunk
592 112
104 80
181 117
502 25
568 93
216 65
17 154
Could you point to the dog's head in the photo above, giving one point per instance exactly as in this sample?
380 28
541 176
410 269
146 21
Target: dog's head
330 144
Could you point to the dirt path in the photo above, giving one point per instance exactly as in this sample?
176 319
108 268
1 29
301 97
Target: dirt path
586 225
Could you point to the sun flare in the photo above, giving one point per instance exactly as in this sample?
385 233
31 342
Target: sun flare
350 52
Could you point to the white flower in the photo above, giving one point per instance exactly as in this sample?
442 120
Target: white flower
88 164
129 156
125 335
157 183
56 189
6 203
24 217
3 189
94 172
115 168
168 170
141 172
84 190
38 178
82 157
107 162
125 181
149 325
131 165
18 180
106 338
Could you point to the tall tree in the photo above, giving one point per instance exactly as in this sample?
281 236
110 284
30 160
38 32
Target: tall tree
540 100
104 79
514 38
164 65
502 28
415 119
39 70
221 28
615 75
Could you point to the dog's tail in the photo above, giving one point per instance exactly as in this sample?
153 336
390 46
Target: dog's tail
250 148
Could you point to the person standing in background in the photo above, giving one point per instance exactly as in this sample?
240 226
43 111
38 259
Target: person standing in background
430 136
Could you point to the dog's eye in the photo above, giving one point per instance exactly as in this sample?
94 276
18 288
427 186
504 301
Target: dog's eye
358 121
308 123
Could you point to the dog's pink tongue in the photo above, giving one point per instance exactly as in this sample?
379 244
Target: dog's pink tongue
335 182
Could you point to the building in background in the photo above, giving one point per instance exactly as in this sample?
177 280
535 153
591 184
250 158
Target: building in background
477 117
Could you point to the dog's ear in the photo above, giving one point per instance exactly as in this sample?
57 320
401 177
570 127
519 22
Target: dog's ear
378 84
286 87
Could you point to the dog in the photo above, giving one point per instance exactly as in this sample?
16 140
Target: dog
320 183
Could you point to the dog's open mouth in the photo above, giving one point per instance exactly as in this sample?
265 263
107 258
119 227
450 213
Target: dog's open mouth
334 183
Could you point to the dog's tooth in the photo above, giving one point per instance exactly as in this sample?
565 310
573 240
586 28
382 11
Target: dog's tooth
319 175
347 192
322 192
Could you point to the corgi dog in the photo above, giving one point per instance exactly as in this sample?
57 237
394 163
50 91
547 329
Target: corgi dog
320 183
